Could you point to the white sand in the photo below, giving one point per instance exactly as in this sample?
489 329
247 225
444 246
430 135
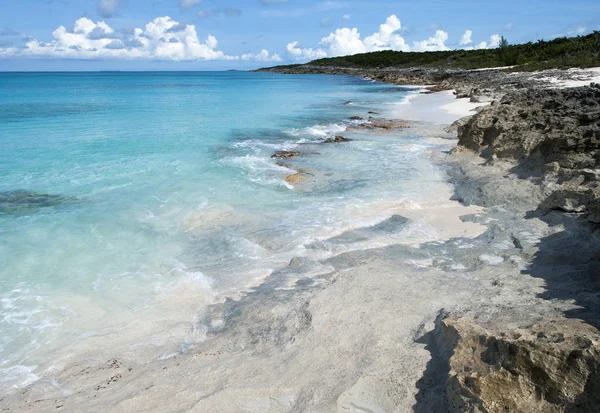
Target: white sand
572 77
427 108
352 345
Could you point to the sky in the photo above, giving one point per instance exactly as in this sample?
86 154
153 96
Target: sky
246 34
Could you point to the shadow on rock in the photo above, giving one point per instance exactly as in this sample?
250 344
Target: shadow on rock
569 262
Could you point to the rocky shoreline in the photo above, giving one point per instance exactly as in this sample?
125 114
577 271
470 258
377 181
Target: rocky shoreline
531 156
500 319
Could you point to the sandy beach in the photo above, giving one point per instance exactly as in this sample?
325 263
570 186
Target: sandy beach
371 329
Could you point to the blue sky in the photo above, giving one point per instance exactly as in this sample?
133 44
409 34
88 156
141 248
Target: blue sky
223 34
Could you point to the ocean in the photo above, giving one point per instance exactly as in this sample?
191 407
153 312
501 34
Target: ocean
129 202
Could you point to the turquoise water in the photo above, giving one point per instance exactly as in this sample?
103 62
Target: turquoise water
152 195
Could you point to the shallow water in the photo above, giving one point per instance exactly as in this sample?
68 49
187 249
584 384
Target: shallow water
152 195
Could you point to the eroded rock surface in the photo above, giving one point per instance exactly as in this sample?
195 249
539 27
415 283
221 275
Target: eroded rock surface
552 135
337 139
554 366
285 154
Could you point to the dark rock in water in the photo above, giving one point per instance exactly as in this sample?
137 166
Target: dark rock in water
348 102
355 118
392 225
285 154
372 113
22 201
337 139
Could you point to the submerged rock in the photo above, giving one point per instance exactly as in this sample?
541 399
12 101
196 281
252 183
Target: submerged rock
22 201
337 139
295 178
355 118
285 154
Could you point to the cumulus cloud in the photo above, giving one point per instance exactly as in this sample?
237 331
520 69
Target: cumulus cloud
387 37
298 53
161 39
343 41
347 41
108 8
494 42
434 43
466 38
262 56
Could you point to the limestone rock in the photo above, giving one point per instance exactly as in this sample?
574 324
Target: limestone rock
549 134
337 139
285 154
295 178
550 367
386 123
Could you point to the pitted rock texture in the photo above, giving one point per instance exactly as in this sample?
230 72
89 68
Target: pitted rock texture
553 135
550 367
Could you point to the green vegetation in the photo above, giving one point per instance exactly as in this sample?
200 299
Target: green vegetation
564 52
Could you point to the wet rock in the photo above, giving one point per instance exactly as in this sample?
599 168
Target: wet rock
355 118
386 123
348 103
371 112
23 201
295 178
337 139
285 154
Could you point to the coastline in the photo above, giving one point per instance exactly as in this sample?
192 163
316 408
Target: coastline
377 329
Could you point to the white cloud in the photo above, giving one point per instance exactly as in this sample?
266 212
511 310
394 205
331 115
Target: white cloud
347 41
495 40
508 27
344 41
466 38
161 39
298 53
262 56
108 8
346 17
435 43
386 38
